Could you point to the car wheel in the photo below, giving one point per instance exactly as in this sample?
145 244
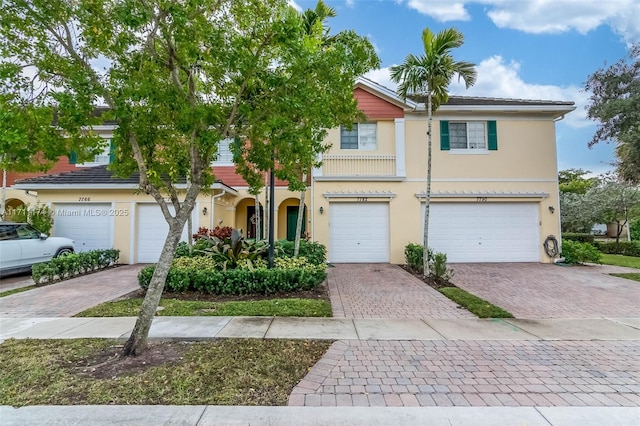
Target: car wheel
63 252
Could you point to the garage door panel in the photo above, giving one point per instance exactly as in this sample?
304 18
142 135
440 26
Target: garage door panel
90 226
493 232
359 232
151 232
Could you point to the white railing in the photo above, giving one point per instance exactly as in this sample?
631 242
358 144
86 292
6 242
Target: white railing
358 165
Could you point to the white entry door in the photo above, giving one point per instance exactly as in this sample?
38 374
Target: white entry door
151 232
90 225
359 232
485 232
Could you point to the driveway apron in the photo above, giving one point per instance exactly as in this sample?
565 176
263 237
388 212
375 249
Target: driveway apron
70 297
534 290
378 290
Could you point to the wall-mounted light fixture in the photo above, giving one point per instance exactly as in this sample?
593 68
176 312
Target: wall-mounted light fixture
321 210
204 211
552 209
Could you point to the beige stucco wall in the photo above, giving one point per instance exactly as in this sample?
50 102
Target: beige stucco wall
385 140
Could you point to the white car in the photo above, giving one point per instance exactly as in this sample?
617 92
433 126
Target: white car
22 245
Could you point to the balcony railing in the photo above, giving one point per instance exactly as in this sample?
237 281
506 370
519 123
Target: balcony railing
358 165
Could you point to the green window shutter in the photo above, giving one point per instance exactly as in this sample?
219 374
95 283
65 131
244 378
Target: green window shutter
444 135
492 133
73 157
113 149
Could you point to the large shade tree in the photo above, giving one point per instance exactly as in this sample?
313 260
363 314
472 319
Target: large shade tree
615 104
178 78
427 77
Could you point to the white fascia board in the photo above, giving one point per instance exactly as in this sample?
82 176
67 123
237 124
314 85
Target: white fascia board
555 109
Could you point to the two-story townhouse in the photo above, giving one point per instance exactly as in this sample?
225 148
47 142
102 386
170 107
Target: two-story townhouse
494 191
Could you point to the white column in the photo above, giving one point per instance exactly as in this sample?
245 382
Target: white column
317 171
401 168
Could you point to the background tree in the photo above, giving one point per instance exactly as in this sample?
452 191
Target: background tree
577 212
178 78
574 181
615 199
615 104
428 76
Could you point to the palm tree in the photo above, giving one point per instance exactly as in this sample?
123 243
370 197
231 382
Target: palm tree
428 76
313 20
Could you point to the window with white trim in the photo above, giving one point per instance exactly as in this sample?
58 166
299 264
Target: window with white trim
224 154
362 136
101 159
470 135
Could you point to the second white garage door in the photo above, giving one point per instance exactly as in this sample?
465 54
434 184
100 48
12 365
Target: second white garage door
89 225
151 231
485 232
359 232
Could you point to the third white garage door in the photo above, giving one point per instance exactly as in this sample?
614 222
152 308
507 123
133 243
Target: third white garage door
485 232
359 232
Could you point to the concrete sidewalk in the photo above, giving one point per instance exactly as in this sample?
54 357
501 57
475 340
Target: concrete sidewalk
311 416
203 328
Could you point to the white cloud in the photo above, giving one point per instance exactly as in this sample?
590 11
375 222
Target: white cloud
441 10
544 16
350 3
376 47
497 79
295 5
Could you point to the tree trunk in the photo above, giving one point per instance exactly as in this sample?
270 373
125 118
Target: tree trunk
296 247
190 231
427 201
258 223
138 340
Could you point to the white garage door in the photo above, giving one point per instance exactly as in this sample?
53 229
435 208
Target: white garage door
359 232
152 230
89 225
485 232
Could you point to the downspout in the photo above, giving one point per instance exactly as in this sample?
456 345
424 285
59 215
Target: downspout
4 193
213 197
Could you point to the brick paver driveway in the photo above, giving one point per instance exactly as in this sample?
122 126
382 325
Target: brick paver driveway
529 290
378 290
474 373
70 297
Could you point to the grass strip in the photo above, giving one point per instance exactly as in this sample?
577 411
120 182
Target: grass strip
618 260
631 276
480 308
222 372
185 308
16 290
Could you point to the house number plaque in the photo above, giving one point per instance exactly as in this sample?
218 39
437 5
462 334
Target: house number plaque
362 199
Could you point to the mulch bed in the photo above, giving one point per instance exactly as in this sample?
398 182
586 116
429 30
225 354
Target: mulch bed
428 280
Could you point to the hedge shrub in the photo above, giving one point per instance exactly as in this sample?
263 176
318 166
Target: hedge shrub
197 277
625 248
579 237
315 252
74 264
576 252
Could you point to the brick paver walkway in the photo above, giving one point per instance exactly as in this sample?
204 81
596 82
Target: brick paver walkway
529 290
70 297
386 291
474 373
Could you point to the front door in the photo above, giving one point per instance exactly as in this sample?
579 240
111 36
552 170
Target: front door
292 221
254 228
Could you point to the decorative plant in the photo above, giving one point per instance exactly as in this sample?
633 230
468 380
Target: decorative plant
233 251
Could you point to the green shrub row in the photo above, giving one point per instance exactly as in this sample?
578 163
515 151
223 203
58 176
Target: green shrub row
197 277
438 269
315 252
625 248
577 252
68 266
579 237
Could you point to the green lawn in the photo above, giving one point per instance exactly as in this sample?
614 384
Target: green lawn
90 371
479 307
175 307
633 276
617 260
16 290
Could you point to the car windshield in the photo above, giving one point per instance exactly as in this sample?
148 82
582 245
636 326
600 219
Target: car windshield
27 232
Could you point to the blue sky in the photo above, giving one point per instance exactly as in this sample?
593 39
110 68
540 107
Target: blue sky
529 49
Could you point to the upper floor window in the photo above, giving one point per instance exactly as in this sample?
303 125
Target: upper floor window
362 136
479 136
470 135
103 158
224 155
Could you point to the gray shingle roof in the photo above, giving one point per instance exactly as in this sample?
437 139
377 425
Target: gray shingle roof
474 100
